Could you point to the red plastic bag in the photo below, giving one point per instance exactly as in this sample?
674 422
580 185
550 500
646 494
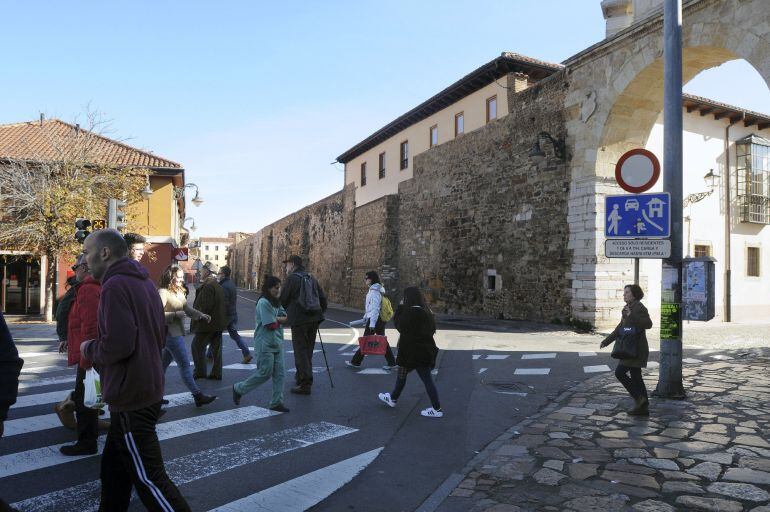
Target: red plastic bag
373 345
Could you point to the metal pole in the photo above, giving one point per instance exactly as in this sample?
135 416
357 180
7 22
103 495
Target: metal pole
636 270
670 379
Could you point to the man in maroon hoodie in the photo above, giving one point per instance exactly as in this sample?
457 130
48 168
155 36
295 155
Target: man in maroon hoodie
131 331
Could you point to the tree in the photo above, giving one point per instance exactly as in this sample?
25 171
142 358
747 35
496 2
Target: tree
59 174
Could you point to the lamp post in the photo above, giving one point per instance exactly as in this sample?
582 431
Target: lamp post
538 155
193 227
197 200
711 184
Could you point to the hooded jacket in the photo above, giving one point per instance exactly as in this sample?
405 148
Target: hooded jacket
372 304
82 319
132 331
416 346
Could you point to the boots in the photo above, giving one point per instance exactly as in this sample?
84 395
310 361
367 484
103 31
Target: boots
641 407
201 399
65 410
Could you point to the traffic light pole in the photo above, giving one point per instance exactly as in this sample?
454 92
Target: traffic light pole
670 378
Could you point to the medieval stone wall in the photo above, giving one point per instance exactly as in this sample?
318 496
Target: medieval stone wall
483 228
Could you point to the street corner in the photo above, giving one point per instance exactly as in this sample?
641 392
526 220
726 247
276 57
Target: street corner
584 452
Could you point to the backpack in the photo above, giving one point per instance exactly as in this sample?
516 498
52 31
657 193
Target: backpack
308 298
386 309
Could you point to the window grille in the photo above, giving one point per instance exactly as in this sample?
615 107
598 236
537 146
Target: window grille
753 170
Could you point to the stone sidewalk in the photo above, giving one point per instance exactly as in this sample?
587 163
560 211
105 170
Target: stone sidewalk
582 452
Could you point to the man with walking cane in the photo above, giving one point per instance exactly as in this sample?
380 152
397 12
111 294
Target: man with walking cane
305 304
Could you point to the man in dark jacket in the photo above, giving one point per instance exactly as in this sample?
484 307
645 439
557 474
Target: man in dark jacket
304 323
231 299
131 333
10 368
209 299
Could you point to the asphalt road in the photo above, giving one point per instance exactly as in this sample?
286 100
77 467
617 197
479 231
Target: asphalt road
340 442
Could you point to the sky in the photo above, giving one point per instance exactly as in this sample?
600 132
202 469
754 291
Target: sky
256 99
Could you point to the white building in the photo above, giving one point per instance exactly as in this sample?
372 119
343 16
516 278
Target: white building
212 249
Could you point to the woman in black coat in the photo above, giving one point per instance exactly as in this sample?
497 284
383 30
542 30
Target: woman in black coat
634 315
416 349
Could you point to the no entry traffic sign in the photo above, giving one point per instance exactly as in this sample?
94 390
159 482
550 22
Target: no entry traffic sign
637 170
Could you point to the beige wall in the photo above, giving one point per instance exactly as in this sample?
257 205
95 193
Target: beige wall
216 252
474 110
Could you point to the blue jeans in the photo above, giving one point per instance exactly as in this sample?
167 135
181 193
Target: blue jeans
269 364
232 330
175 349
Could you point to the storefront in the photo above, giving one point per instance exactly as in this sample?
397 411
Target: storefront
20 290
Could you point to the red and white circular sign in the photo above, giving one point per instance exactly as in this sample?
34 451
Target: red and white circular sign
637 170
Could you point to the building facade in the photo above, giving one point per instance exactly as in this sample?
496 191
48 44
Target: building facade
486 228
158 217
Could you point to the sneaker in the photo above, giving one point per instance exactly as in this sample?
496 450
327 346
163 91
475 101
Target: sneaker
430 412
280 408
201 399
247 359
236 396
79 449
351 365
164 402
389 367
385 397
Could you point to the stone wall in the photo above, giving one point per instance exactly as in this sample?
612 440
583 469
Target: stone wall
481 214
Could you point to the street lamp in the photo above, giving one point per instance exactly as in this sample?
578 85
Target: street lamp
193 227
147 190
179 193
711 182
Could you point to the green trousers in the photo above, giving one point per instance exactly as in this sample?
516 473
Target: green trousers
269 364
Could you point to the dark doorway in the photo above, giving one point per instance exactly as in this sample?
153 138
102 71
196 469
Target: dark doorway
20 293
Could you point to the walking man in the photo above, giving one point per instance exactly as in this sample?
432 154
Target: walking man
10 368
305 304
131 332
231 298
210 300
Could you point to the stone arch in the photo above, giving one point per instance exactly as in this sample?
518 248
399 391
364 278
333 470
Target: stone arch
625 76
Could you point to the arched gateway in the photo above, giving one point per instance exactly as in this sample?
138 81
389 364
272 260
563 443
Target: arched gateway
615 94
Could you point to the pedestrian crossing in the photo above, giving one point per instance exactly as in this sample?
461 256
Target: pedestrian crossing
30 456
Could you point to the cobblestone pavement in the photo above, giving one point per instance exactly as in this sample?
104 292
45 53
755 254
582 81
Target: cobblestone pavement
582 452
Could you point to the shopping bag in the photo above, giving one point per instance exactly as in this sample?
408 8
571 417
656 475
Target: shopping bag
373 345
92 397
626 345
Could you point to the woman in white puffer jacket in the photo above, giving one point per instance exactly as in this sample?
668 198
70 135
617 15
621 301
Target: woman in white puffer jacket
372 322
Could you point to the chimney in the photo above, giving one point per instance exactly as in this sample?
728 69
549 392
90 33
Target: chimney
77 129
42 118
618 14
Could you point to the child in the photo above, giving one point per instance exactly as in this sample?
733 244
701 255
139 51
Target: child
416 349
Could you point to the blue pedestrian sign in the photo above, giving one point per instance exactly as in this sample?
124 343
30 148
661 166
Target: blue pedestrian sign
638 216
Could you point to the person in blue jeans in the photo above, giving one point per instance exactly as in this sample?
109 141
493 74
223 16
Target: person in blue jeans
176 308
231 299
268 345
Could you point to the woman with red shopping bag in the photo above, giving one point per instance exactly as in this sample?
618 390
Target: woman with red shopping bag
417 349
373 323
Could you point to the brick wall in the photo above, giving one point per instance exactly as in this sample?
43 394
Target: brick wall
479 206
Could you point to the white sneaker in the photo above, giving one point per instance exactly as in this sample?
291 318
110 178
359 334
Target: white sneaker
385 397
388 367
350 364
430 412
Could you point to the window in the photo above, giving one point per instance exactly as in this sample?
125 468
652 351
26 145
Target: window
404 155
752 261
434 135
753 169
207 247
491 108
459 124
702 251
216 247
363 174
382 165
216 256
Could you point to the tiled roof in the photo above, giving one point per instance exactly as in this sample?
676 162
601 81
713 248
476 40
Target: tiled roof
719 110
215 239
29 141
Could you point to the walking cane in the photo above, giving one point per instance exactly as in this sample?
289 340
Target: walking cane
323 351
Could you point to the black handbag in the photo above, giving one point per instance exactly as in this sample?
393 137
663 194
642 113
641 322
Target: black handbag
627 344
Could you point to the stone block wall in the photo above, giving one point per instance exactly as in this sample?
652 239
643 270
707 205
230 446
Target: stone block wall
481 214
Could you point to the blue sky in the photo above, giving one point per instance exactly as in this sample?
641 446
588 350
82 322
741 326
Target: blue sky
256 98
